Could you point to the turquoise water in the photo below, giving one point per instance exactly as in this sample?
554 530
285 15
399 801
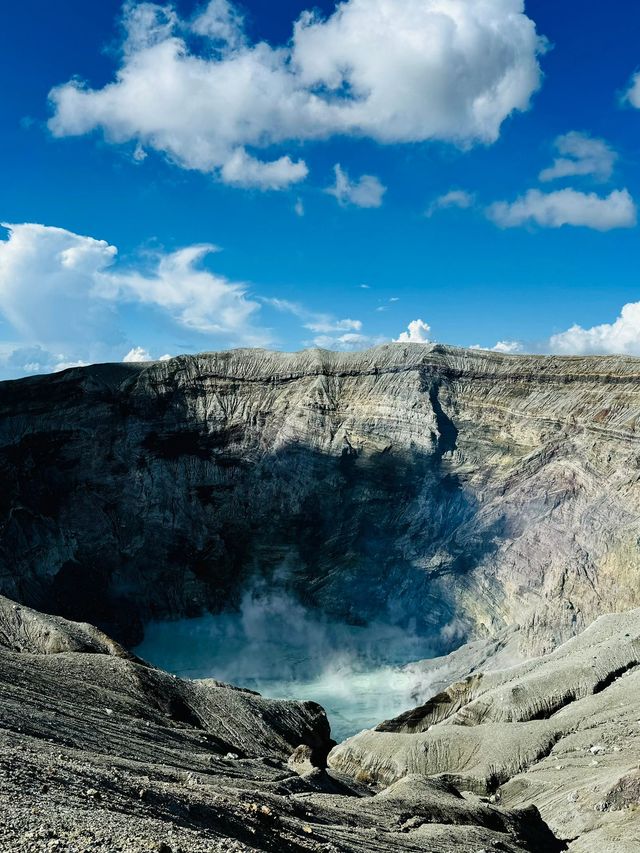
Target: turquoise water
277 647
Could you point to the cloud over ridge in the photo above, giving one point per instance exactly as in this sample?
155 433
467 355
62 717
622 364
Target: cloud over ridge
60 293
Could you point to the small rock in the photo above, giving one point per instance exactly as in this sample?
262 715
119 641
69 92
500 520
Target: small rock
302 760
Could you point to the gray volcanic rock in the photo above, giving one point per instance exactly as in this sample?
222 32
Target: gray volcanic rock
103 753
562 731
466 490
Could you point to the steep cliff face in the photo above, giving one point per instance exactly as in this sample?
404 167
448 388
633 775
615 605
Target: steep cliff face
463 489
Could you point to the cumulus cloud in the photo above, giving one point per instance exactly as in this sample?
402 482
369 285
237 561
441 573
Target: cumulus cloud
454 198
242 170
622 336
60 292
632 95
367 191
137 354
46 280
417 333
221 22
507 347
582 155
567 207
200 93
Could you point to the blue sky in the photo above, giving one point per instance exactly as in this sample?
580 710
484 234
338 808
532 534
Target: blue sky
167 162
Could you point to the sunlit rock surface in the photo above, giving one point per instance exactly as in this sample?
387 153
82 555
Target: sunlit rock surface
562 731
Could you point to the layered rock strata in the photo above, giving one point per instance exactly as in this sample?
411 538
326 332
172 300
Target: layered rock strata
463 491
562 731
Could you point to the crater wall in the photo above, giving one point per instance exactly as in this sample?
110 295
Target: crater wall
464 490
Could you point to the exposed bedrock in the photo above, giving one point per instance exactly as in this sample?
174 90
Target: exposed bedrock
562 731
463 489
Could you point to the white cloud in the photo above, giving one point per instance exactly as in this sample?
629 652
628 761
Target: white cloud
139 154
508 347
67 365
330 332
454 198
622 336
61 293
299 207
195 298
313 320
221 22
390 70
632 95
567 207
505 347
581 154
348 341
417 333
46 281
137 354
242 170
367 191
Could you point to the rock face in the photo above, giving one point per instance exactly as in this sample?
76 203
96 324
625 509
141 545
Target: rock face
463 489
561 731
101 752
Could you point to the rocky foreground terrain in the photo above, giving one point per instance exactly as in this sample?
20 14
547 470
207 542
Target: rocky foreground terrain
464 490
99 751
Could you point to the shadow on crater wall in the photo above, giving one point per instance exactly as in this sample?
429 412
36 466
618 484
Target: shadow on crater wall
133 511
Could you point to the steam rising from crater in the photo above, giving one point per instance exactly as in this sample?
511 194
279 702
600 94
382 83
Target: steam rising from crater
282 649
